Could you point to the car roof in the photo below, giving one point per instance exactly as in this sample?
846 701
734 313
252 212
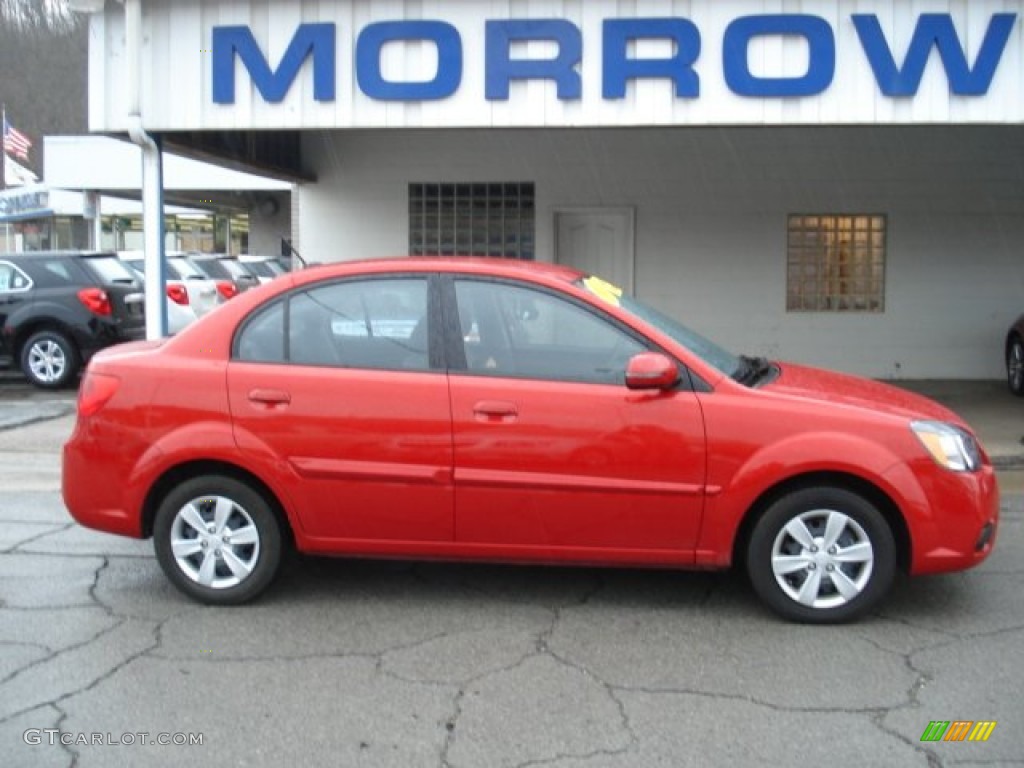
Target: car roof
51 254
492 266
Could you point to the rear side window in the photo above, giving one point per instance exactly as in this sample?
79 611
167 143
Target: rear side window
373 324
262 338
55 271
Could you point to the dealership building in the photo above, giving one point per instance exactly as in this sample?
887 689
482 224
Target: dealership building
831 182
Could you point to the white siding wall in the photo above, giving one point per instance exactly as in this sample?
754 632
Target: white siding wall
711 224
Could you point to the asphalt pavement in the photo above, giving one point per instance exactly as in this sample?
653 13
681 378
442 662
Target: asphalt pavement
358 663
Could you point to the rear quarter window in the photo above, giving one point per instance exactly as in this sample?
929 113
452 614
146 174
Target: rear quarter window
108 269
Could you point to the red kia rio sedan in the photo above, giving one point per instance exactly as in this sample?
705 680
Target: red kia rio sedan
518 412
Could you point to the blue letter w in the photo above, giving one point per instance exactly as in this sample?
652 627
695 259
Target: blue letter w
934 29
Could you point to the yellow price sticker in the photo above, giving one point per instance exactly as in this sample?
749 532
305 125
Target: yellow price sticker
603 290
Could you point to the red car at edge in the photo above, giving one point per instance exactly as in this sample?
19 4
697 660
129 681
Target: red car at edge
468 409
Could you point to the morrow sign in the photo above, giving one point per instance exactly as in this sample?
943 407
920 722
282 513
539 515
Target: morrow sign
898 73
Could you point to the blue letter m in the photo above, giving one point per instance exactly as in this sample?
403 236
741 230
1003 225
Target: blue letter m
934 29
315 39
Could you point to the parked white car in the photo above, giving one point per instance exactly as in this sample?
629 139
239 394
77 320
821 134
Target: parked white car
179 312
203 293
264 267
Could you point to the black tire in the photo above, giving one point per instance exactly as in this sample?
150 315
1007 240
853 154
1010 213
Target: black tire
1015 366
50 360
241 506
839 582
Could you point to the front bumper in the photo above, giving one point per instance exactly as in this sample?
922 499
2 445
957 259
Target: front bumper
952 518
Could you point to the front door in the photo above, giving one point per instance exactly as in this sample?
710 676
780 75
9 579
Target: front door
597 241
551 449
338 382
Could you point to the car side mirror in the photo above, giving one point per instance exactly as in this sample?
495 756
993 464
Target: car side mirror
651 370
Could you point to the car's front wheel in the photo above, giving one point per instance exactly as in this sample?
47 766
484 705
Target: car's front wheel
49 359
821 555
217 540
1015 366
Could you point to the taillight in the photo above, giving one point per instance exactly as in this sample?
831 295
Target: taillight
177 294
227 289
96 301
95 390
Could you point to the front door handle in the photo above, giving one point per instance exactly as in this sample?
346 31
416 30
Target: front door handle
495 410
269 396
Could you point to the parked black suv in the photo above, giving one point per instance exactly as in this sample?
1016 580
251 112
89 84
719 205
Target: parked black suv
58 308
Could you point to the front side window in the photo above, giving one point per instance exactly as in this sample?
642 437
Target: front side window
374 324
509 330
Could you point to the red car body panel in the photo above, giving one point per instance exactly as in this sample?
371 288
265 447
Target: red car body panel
460 466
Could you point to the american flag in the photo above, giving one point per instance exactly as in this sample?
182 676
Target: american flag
15 142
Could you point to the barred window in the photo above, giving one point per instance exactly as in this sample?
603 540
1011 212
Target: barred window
465 219
836 263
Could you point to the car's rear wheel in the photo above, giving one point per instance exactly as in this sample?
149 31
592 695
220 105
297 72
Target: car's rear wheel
1015 366
49 359
821 555
217 540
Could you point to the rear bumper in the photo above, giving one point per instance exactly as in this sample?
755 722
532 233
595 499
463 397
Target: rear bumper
92 486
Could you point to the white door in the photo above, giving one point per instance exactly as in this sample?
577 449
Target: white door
598 241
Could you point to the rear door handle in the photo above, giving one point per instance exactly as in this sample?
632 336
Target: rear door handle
270 396
495 410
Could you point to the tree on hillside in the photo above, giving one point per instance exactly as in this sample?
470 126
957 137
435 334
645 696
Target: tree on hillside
37 14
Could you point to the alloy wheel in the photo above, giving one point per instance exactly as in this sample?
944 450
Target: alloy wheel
822 559
215 542
48 361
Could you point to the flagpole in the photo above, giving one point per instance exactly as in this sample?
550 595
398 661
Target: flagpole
3 146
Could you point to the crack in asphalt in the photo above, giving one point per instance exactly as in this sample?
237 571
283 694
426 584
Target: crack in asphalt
15 549
450 726
59 725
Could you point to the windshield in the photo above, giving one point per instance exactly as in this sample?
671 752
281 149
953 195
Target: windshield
706 350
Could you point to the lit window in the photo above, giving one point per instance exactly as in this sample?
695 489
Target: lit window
836 263
472 219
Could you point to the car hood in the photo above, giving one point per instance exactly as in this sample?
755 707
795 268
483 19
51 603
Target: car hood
853 391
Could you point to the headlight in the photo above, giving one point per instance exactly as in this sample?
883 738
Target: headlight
952 447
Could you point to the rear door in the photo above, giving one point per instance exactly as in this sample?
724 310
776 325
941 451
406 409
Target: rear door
338 385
